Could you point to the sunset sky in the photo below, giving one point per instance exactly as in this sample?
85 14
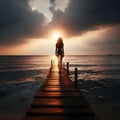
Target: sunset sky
90 27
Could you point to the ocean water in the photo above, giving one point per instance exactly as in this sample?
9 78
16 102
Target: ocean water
22 76
99 81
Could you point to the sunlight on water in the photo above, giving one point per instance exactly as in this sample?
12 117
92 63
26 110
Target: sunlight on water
22 76
54 60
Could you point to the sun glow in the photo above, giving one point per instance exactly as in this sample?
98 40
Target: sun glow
56 35
54 60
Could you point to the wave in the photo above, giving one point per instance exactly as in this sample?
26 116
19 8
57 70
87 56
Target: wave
21 75
91 65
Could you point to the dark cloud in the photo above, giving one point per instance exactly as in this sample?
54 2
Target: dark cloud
83 15
52 6
107 41
52 2
110 37
18 21
87 15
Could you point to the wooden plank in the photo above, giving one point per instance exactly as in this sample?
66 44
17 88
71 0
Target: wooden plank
59 117
60 111
59 99
57 94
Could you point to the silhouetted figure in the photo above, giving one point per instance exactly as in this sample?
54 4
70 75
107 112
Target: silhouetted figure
59 52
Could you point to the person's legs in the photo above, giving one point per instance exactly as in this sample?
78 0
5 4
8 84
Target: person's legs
59 63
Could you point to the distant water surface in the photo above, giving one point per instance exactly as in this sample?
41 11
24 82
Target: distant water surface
95 67
99 81
22 76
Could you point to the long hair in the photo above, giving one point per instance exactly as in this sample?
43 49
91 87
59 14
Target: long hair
60 41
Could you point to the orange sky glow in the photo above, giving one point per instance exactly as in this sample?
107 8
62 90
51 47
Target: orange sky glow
36 29
73 45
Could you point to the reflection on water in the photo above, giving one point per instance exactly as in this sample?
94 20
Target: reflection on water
99 81
95 67
21 68
21 77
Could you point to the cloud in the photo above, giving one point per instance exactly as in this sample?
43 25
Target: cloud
104 41
52 6
84 15
109 38
52 2
18 21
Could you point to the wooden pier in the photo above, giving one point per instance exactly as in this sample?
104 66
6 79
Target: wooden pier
59 99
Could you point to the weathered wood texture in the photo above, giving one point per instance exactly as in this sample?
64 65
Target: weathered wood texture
59 99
